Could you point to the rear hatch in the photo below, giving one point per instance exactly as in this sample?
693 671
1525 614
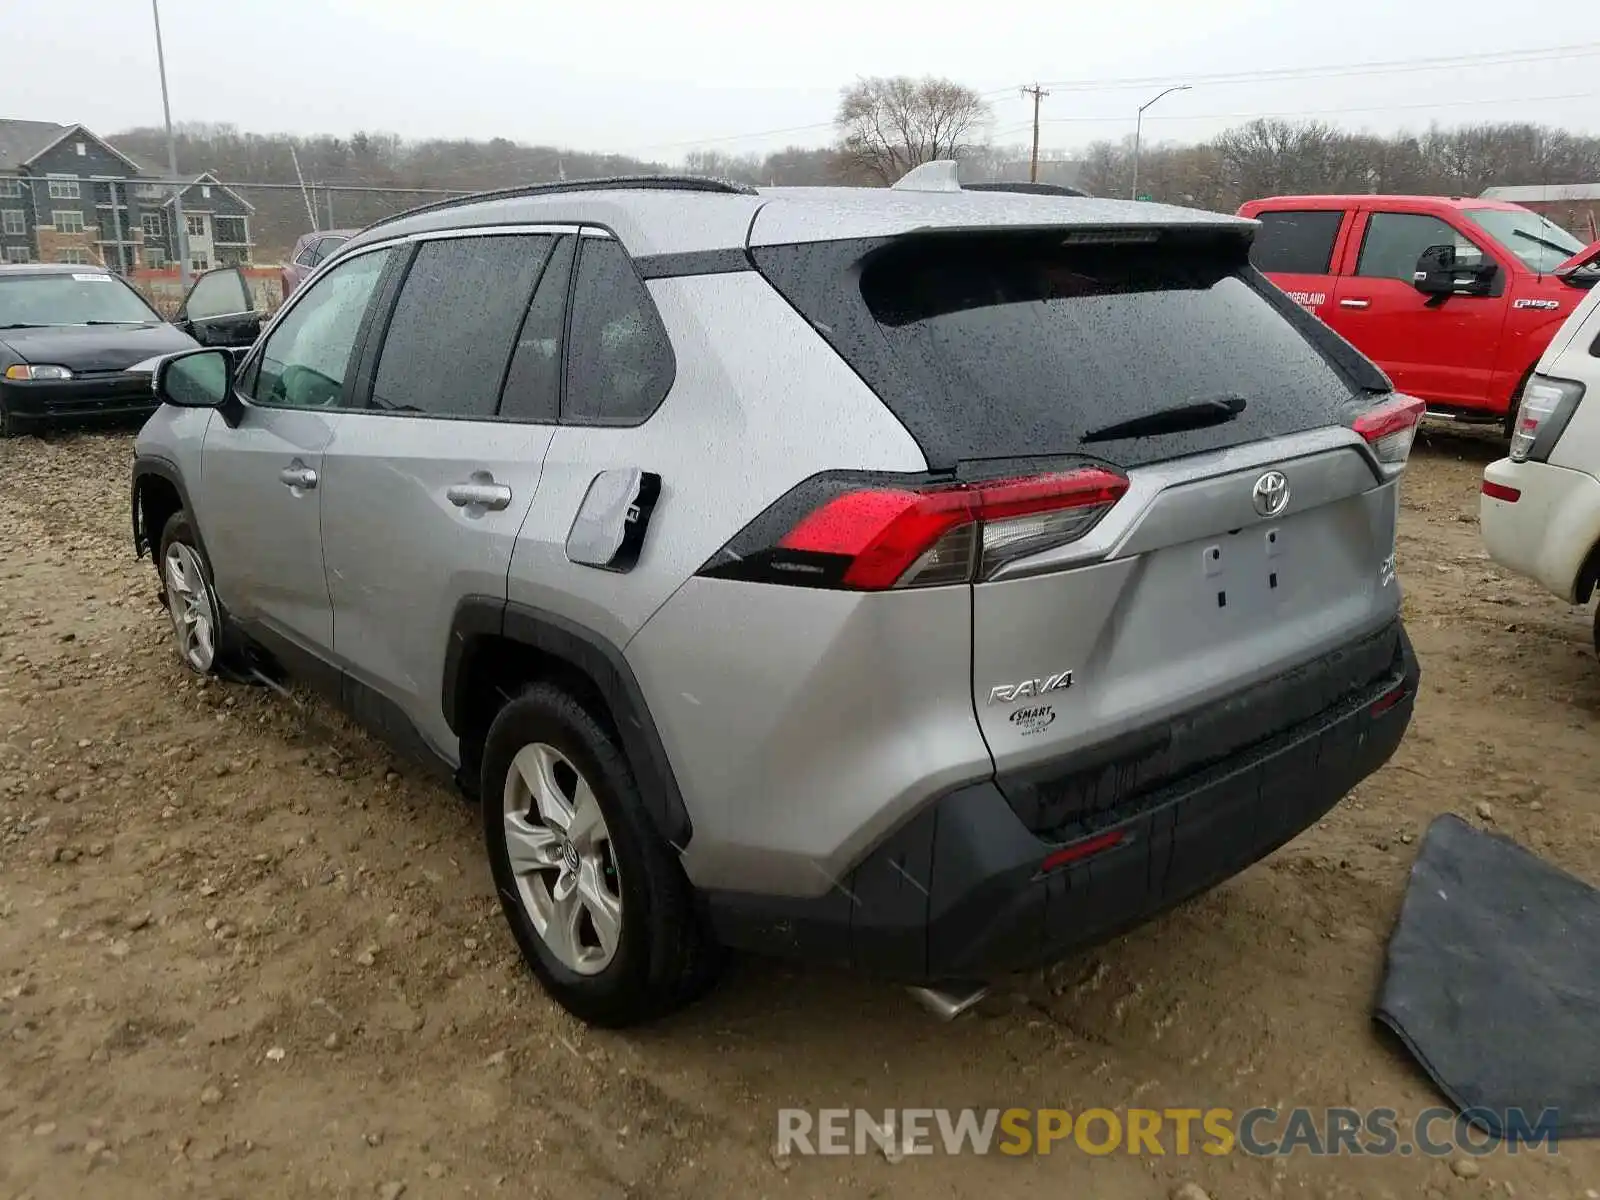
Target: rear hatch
1223 566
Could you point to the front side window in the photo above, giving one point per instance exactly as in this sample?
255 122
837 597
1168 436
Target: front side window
67 220
13 222
307 355
1296 243
619 360
1539 244
72 299
222 294
1395 241
455 324
63 189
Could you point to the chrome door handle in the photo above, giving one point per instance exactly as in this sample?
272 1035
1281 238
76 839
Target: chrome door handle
494 496
1355 304
298 477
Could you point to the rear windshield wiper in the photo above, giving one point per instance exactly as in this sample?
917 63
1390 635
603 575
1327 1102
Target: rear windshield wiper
1198 413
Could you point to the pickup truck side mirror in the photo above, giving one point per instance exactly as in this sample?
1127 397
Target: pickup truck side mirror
1440 274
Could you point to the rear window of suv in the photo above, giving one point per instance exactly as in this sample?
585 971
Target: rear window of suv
1021 345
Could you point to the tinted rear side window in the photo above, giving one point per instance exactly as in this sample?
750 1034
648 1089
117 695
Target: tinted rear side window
1018 346
455 325
1296 243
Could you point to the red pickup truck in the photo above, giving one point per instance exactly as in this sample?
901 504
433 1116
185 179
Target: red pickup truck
1455 299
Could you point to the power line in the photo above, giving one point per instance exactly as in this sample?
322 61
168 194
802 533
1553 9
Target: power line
1392 66
1311 112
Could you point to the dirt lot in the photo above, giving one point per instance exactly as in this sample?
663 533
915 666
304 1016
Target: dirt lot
244 954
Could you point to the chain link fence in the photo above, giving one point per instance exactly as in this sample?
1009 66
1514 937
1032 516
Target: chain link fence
225 223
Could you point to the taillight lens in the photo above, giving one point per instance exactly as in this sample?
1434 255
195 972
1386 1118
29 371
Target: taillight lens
1390 428
1546 407
871 536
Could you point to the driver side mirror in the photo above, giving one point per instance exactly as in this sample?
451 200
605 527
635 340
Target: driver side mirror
1440 273
195 379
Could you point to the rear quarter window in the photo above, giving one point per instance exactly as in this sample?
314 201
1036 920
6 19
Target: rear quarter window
1296 243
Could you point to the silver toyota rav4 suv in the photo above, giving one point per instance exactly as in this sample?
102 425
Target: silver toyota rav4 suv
922 580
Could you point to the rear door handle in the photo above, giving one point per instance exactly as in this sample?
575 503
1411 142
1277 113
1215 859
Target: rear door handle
493 496
300 477
1355 304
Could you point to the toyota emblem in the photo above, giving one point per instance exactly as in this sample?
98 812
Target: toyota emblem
1271 494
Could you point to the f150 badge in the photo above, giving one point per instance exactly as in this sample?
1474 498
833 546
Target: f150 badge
1009 693
1542 304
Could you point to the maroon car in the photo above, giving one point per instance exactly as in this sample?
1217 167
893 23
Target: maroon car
310 250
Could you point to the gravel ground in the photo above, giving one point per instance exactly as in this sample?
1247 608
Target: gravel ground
243 953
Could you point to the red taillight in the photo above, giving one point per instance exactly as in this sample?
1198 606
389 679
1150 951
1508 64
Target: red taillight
1499 491
1390 427
1081 850
1389 699
951 533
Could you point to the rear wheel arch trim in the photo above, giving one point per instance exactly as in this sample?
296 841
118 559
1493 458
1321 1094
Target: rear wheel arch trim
602 663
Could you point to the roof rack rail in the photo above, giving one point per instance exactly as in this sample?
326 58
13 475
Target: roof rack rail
1033 189
611 183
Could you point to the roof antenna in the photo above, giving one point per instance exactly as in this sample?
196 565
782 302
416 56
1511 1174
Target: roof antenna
936 176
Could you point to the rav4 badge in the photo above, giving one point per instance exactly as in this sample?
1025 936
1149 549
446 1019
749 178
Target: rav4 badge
1008 693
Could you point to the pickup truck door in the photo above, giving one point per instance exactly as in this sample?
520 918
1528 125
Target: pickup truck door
1443 351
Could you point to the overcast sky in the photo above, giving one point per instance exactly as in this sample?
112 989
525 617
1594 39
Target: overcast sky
654 79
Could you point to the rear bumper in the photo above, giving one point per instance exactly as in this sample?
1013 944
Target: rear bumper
109 395
959 893
1547 532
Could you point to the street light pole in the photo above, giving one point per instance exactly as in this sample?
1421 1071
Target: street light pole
178 222
1138 129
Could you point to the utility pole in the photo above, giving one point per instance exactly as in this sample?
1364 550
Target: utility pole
1038 94
311 212
178 222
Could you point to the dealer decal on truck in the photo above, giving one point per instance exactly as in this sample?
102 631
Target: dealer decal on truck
1308 299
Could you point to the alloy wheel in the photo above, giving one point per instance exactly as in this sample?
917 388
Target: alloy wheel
561 854
189 603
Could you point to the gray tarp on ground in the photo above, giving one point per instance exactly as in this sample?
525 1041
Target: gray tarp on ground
1493 979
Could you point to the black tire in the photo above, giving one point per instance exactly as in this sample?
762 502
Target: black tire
665 956
1597 631
179 531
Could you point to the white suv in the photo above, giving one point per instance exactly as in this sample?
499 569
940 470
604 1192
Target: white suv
1540 507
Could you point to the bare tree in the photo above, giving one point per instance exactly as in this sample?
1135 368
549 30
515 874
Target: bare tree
889 125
